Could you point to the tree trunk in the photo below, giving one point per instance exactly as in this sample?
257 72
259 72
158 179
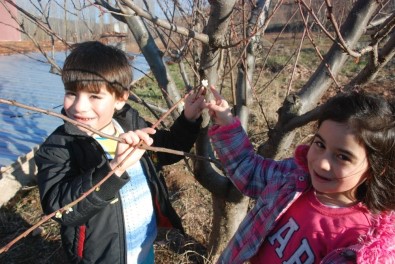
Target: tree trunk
229 205
154 58
205 173
378 59
281 137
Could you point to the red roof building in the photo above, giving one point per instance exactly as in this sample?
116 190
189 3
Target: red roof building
8 26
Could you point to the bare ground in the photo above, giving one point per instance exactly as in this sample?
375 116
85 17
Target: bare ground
43 245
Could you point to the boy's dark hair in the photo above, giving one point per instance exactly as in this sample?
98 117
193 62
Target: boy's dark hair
372 119
92 64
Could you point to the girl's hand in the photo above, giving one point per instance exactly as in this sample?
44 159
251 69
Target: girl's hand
219 110
194 104
132 140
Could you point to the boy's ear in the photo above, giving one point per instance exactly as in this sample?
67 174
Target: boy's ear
121 101
125 95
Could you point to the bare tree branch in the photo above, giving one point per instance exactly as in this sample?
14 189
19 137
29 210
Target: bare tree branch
67 208
165 24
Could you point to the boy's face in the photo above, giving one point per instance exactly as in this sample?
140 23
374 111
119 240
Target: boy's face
93 109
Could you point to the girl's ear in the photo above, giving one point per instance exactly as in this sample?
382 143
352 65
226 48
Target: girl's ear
121 101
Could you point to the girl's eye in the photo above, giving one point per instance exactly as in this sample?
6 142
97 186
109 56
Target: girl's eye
319 144
343 157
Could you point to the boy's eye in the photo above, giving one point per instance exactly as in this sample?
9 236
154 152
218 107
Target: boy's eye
69 93
95 96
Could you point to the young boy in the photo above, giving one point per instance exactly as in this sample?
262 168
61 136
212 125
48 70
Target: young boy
117 223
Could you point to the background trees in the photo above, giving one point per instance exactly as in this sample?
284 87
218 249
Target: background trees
275 61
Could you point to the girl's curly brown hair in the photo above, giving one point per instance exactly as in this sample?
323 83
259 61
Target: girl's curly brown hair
372 119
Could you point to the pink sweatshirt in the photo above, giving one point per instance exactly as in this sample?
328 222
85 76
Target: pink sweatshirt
276 185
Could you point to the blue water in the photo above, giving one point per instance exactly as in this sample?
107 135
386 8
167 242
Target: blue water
29 81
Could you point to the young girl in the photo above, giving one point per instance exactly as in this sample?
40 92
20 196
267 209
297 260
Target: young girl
331 203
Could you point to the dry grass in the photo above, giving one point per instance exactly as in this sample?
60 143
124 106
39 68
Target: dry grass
193 204
191 201
23 46
42 245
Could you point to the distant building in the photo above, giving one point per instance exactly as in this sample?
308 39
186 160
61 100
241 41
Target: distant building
8 26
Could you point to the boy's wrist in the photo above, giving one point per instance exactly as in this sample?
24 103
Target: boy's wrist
191 119
118 171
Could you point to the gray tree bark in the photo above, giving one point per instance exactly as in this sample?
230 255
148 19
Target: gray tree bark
153 56
296 105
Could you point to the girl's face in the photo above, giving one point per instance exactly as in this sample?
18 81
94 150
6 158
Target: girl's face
337 162
93 109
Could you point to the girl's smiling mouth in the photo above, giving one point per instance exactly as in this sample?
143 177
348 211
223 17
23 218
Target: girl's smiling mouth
320 178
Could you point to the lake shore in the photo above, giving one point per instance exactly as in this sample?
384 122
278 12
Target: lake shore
25 46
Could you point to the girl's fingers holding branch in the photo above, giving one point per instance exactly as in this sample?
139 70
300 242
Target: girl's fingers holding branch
219 109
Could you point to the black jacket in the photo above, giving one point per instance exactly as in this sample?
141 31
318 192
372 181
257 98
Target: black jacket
70 162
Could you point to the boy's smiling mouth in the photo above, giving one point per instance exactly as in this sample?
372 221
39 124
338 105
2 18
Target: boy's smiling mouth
83 119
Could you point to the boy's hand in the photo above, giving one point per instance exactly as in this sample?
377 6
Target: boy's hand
219 110
194 104
132 139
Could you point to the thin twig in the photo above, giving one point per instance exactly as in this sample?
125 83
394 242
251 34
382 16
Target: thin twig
343 43
66 209
318 52
99 133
